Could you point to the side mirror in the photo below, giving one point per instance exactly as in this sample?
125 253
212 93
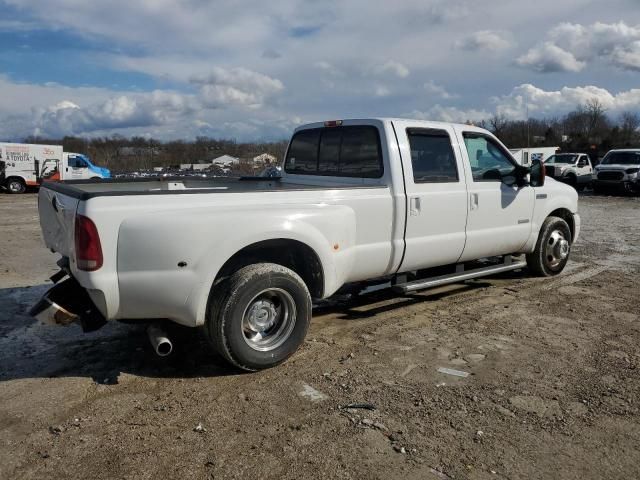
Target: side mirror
537 174
509 180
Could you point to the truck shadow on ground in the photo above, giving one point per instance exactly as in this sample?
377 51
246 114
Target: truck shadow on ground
29 349
359 307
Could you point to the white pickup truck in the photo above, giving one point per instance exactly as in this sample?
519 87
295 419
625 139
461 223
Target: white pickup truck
406 203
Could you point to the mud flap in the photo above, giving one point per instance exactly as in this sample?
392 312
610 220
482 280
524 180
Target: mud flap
65 303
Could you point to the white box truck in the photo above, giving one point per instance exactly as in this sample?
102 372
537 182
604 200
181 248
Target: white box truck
25 165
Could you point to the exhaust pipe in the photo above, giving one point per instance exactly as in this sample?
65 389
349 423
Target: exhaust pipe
159 340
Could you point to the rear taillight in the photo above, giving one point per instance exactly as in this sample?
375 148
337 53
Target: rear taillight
88 249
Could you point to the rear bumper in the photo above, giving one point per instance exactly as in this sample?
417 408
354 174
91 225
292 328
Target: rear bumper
65 303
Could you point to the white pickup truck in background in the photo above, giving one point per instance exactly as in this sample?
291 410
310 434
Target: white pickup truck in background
411 204
574 169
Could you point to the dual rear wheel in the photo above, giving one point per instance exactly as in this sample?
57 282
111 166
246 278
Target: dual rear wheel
259 316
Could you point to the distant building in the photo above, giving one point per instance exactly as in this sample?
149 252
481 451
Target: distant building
195 166
524 156
264 158
225 161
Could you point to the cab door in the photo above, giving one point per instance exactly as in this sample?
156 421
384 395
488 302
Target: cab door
436 195
500 211
584 170
76 168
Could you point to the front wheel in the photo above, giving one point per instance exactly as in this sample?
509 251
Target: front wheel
259 316
552 248
16 185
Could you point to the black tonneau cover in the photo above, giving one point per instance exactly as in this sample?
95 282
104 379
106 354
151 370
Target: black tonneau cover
86 189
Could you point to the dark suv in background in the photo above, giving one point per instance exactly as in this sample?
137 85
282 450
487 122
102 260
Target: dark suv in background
619 169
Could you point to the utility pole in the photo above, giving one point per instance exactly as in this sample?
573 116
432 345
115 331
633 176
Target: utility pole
526 99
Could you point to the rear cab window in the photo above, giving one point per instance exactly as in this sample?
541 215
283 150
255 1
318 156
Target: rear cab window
344 151
432 157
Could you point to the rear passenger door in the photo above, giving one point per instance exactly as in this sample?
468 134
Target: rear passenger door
436 195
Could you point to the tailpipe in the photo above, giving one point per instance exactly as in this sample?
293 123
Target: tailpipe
159 340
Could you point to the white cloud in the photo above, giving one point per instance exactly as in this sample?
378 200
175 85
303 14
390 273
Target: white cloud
124 111
54 110
449 114
236 86
247 71
570 47
547 57
488 40
382 91
438 90
543 103
392 67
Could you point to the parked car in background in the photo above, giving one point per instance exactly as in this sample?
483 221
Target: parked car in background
620 170
574 169
382 202
28 165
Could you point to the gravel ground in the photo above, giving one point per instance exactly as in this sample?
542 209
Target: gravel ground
552 390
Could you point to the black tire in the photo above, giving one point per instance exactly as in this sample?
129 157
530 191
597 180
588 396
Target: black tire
572 180
16 185
547 258
272 291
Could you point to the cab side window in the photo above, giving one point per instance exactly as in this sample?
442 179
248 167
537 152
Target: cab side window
489 163
77 162
432 157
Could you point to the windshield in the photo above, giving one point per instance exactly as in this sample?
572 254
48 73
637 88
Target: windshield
563 158
621 158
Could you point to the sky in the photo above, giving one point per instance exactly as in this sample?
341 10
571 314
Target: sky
254 70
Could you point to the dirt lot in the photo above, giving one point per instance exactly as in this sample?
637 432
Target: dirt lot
553 390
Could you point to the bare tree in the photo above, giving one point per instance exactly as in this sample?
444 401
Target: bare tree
629 125
497 123
596 119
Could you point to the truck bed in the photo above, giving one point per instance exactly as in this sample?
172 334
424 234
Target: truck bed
85 189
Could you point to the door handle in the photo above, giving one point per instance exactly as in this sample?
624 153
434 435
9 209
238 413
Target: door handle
414 206
473 201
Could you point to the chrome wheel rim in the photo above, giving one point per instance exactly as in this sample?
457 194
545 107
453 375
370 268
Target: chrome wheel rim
268 320
557 248
15 186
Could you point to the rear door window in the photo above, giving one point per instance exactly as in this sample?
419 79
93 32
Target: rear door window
350 151
432 157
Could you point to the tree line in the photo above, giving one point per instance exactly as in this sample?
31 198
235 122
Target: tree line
587 129
121 154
